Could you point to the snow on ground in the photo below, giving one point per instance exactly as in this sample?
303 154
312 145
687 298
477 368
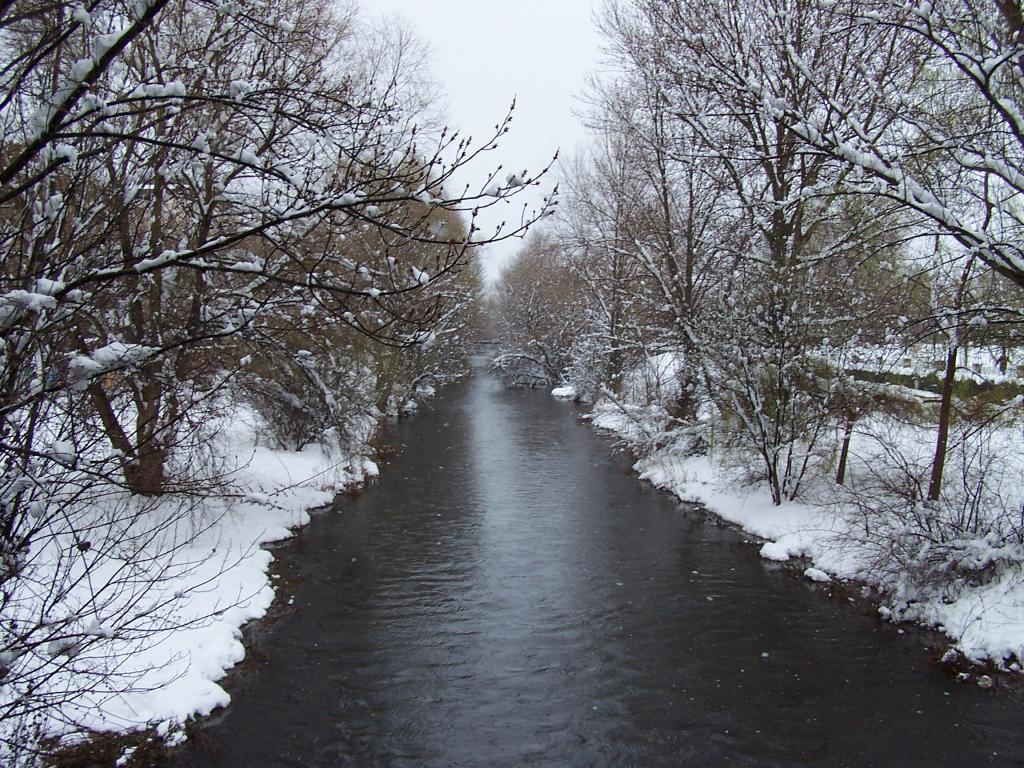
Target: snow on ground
983 621
213 578
277 489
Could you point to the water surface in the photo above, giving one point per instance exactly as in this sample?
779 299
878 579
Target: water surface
508 594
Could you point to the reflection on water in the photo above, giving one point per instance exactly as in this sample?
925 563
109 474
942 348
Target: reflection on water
510 595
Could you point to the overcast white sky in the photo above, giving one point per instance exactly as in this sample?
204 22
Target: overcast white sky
484 53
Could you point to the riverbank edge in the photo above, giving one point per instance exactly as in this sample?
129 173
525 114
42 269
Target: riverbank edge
149 747
155 745
795 556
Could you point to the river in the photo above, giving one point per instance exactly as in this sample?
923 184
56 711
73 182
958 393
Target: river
509 594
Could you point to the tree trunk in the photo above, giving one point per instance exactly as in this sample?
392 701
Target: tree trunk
145 476
844 453
945 411
774 482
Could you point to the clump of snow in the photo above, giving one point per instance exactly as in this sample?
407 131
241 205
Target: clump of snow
777 551
565 392
818 575
113 356
36 302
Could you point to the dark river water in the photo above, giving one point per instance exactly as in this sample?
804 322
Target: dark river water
508 594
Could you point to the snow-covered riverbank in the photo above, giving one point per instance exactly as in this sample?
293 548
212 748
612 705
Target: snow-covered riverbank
983 617
166 636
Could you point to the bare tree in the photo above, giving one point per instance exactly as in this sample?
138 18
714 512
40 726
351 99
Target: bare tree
650 202
934 123
764 345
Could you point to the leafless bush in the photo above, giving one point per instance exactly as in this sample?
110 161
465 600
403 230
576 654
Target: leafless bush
103 580
970 535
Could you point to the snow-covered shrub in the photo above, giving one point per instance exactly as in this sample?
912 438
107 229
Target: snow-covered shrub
588 366
654 380
644 414
301 395
972 534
